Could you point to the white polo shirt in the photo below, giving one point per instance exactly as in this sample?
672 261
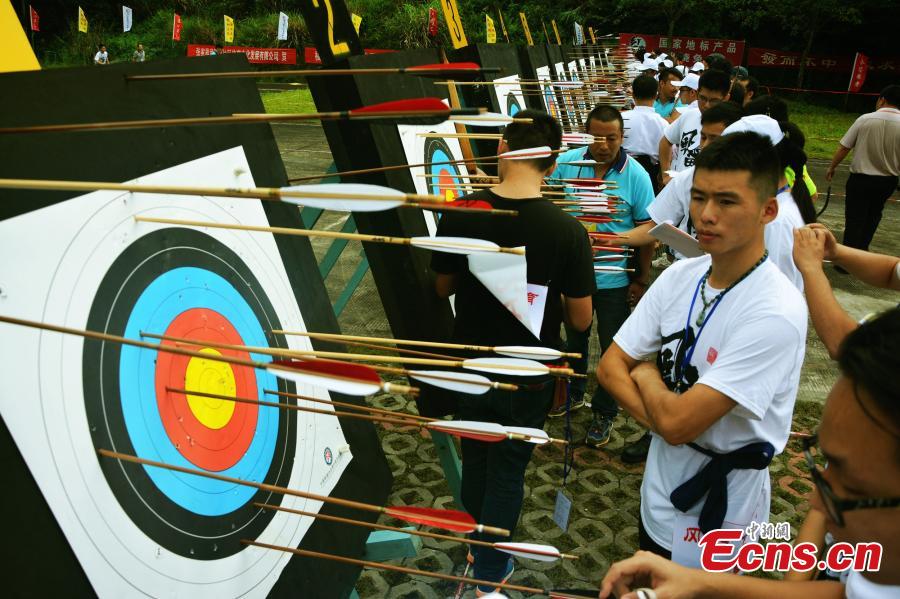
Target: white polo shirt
643 130
684 135
751 349
780 237
875 139
673 204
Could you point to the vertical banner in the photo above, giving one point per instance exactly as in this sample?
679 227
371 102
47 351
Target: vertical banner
491 31
282 26
503 25
546 33
126 18
556 32
35 19
432 22
357 21
454 24
526 29
579 35
858 74
82 21
331 29
229 29
176 27
593 37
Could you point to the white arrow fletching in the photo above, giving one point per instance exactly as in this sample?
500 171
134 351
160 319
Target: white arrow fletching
326 382
461 382
346 205
485 119
455 245
577 138
537 436
581 163
541 553
527 153
528 352
568 84
510 366
469 426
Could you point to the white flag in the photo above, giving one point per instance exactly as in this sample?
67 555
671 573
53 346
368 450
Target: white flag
282 26
126 18
579 35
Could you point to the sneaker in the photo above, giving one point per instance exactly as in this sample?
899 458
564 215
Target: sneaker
481 591
599 431
574 404
637 451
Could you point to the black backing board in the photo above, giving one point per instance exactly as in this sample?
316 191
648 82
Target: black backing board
103 94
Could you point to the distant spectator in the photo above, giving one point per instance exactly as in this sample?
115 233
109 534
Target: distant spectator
769 106
138 55
719 62
737 93
644 128
740 74
875 168
752 88
102 56
665 103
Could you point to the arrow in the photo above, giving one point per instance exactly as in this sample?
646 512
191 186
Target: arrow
453 245
515 351
455 69
488 119
527 153
342 379
447 519
416 572
544 553
426 111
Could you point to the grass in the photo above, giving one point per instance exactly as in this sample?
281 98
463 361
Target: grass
822 126
292 101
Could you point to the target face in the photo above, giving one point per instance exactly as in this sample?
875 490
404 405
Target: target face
549 97
508 93
144 530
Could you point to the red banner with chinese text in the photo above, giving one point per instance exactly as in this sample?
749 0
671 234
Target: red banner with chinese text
432 22
311 55
176 28
254 55
858 74
697 48
766 57
35 19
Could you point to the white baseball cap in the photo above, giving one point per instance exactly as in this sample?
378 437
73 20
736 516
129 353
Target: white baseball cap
665 63
649 65
698 66
682 69
690 81
757 123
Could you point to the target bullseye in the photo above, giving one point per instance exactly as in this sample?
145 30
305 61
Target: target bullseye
210 376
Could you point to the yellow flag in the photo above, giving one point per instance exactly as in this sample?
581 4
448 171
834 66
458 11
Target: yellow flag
591 31
15 51
82 21
454 24
229 29
491 30
556 31
526 29
503 25
357 21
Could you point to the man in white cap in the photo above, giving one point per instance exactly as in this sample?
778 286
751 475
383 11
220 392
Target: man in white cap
698 67
712 87
665 103
644 127
729 333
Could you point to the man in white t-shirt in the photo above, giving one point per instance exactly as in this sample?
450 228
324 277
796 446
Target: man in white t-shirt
859 491
729 331
680 143
102 56
644 127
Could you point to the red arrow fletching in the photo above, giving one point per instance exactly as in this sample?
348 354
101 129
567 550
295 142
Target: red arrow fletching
347 370
454 520
409 105
454 70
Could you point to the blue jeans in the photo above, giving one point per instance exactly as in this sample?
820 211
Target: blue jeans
611 308
493 474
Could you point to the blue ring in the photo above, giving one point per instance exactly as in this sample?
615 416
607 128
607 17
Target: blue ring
169 295
441 156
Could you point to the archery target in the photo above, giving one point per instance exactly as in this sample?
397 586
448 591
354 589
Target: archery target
508 92
547 93
85 263
446 180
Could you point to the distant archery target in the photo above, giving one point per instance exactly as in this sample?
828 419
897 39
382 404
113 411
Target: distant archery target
200 290
443 179
512 104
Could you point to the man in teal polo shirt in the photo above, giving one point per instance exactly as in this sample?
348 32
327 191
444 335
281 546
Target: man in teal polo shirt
614 289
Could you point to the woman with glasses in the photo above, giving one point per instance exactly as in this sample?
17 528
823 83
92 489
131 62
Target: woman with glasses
854 463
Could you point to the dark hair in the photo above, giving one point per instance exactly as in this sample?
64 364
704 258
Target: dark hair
542 131
736 93
791 154
752 85
723 112
769 106
604 114
718 62
714 80
744 151
870 357
644 87
665 74
891 94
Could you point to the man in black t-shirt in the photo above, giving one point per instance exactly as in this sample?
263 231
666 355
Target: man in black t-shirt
559 269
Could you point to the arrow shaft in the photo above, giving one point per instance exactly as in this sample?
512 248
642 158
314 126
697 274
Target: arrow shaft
307 73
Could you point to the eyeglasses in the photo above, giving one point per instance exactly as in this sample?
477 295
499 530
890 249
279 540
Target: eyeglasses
834 505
